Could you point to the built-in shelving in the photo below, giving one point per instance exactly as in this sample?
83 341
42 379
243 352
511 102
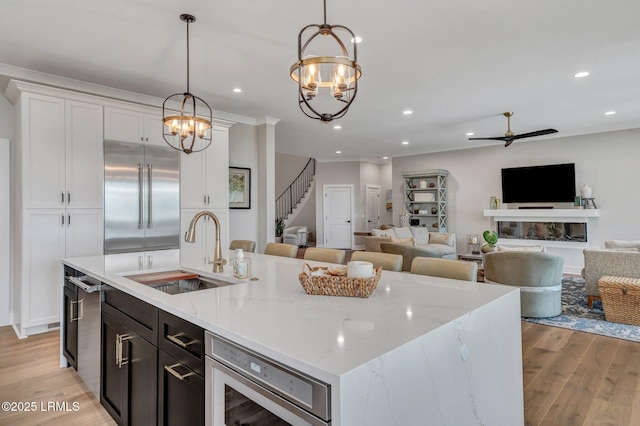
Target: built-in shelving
430 209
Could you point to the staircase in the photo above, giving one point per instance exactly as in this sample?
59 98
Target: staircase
293 198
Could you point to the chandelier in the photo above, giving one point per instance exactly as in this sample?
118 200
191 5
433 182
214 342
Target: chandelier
336 76
181 130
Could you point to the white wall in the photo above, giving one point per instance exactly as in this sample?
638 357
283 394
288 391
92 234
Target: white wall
5 227
606 161
288 167
386 180
243 152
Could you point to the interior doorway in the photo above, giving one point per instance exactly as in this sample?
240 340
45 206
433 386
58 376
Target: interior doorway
337 210
372 207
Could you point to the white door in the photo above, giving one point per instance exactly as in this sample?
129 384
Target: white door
338 202
372 201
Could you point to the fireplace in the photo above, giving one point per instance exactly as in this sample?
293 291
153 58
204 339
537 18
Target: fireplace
543 231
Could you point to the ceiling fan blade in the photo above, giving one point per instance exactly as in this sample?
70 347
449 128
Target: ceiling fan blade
536 133
500 138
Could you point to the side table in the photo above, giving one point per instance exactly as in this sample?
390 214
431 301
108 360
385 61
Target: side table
471 257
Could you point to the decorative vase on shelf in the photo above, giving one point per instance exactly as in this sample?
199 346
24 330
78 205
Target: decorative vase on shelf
586 191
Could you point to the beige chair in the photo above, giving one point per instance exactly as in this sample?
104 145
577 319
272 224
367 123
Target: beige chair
281 249
324 255
246 245
538 275
387 261
445 268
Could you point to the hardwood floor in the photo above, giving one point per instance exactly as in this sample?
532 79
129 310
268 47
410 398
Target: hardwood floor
570 378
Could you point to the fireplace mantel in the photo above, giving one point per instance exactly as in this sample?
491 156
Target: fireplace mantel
542 215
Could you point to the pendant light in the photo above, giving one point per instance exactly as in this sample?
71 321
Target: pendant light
324 81
181 130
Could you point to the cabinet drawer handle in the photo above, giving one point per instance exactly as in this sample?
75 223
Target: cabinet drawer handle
71 318
179 342
170 369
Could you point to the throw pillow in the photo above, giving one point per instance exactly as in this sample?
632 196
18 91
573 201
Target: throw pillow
540 249
383 233
441 238
621 244
404 241
421 234
403 233
383 227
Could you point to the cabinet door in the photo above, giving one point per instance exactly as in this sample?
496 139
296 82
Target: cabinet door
43 149
70 337
113 382
217 170
43 247
192 180
84 155
180 399
123 125
84 232
153 128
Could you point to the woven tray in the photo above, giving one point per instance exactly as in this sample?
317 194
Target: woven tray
337 286
620 299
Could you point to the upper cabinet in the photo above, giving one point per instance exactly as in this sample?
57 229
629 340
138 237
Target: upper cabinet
133 126
61 147
204 176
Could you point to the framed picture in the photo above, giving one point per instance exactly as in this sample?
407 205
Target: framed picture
239 188
389 200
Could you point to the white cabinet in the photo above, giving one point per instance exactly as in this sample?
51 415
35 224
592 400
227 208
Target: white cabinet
48 236
133 126
204 176
425 199
201 251
62 153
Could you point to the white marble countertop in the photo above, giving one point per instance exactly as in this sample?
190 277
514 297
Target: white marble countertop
321 335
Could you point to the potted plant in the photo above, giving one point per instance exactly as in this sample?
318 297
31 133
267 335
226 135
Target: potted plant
279 229
491 237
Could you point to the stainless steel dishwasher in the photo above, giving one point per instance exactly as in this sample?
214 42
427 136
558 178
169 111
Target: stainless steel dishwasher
82 326
243 387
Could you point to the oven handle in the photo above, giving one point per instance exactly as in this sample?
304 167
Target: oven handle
89 288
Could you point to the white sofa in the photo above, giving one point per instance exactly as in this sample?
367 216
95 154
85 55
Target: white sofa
440 244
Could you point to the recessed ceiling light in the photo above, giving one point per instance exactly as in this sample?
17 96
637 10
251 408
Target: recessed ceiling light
609 113
470 134
338 152
237 90
337 127
385 158
357 40
407 112
405 142
581 74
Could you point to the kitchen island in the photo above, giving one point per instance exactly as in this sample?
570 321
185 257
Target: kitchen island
419 350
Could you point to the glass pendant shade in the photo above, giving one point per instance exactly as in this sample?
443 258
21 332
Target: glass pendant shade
189 129
327 84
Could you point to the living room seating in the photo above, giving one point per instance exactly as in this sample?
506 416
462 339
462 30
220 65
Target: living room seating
539 276
246 245
324 255
296 235
620 259
281 249
440 244
408 253
445 268
387 261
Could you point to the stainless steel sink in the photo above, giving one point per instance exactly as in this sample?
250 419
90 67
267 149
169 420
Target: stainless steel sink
178 282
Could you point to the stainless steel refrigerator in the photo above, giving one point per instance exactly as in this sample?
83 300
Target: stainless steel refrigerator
141 197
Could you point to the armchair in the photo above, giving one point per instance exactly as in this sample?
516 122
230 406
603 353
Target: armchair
296 235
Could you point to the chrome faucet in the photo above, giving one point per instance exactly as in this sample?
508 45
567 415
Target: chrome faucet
190 237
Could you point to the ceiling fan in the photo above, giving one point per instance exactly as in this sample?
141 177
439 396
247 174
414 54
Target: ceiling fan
509 137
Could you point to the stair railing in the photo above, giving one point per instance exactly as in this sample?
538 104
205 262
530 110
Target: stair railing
291 196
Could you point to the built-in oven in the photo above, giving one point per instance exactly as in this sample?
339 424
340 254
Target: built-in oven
246 388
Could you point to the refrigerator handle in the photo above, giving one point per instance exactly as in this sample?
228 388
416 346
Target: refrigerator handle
150 196
140 206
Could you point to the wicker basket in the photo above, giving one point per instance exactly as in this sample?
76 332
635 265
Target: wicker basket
620 299
338 286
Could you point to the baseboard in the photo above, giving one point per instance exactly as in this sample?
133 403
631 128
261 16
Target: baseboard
16 330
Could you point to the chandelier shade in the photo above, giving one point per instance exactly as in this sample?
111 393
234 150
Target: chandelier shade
189 129
326 83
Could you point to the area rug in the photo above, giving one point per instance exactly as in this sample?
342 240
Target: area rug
577 316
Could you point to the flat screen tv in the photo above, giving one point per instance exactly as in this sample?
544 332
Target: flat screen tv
553 183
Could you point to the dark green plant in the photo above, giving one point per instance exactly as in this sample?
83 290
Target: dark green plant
490 237
279 226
